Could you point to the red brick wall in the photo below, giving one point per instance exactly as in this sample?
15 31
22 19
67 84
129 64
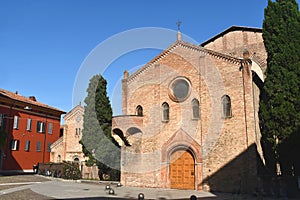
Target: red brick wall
21 160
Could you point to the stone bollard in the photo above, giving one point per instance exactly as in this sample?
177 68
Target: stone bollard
141 196
107 187
193 197
111 192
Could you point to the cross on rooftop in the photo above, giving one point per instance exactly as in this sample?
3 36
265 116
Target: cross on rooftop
178 25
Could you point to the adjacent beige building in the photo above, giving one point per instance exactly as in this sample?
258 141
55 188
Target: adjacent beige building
67 147
190 115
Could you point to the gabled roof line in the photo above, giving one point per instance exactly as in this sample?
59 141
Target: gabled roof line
211 52
57 142
230 29
75 110
153 61
185 45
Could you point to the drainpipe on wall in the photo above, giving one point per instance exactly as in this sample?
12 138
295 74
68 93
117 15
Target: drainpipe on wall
45 140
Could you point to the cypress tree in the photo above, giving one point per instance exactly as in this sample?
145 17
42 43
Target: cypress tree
97 142
280 102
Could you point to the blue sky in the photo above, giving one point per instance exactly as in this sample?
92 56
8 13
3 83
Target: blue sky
45 43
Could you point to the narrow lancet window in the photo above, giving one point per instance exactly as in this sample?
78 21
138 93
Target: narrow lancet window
165 112
139 110
196 110
226 106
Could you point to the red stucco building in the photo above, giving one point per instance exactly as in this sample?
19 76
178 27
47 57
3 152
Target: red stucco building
29 128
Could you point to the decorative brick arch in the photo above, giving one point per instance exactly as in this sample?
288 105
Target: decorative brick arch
260 61
132 130
119 136
257 69
128 138
181 141
127 122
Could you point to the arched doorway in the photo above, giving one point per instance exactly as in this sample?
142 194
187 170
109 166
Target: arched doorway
182 170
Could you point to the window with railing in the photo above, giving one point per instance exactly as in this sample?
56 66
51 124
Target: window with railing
139 110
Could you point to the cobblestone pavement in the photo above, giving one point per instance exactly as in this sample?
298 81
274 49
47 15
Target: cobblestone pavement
17 187
34 187
26 194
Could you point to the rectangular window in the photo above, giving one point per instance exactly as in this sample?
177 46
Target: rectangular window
50 127
2 122
14 145
78 131
16 122
29 124
40 127
48 147
38 146
27 146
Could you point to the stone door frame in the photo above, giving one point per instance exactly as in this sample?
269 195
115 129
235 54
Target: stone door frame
180 141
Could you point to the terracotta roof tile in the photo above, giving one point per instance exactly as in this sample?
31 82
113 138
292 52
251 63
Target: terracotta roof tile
15 96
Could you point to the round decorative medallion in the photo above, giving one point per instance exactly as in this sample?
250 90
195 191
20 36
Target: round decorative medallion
78 119
179 89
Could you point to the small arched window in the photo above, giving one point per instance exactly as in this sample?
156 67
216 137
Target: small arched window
196 111
165 112
226 106
76 160
139 110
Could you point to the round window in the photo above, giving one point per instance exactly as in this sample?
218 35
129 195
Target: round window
179 89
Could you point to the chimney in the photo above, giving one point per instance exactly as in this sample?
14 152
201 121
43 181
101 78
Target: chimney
32 98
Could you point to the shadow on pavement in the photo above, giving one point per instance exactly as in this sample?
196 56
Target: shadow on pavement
116 198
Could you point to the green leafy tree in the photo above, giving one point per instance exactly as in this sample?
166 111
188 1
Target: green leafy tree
97 142
280 104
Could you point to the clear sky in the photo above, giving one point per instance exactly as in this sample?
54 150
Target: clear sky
45 43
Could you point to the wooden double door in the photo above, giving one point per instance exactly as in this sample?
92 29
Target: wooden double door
182 170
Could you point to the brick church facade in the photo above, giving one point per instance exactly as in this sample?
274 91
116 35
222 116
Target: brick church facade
67 147
190 115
